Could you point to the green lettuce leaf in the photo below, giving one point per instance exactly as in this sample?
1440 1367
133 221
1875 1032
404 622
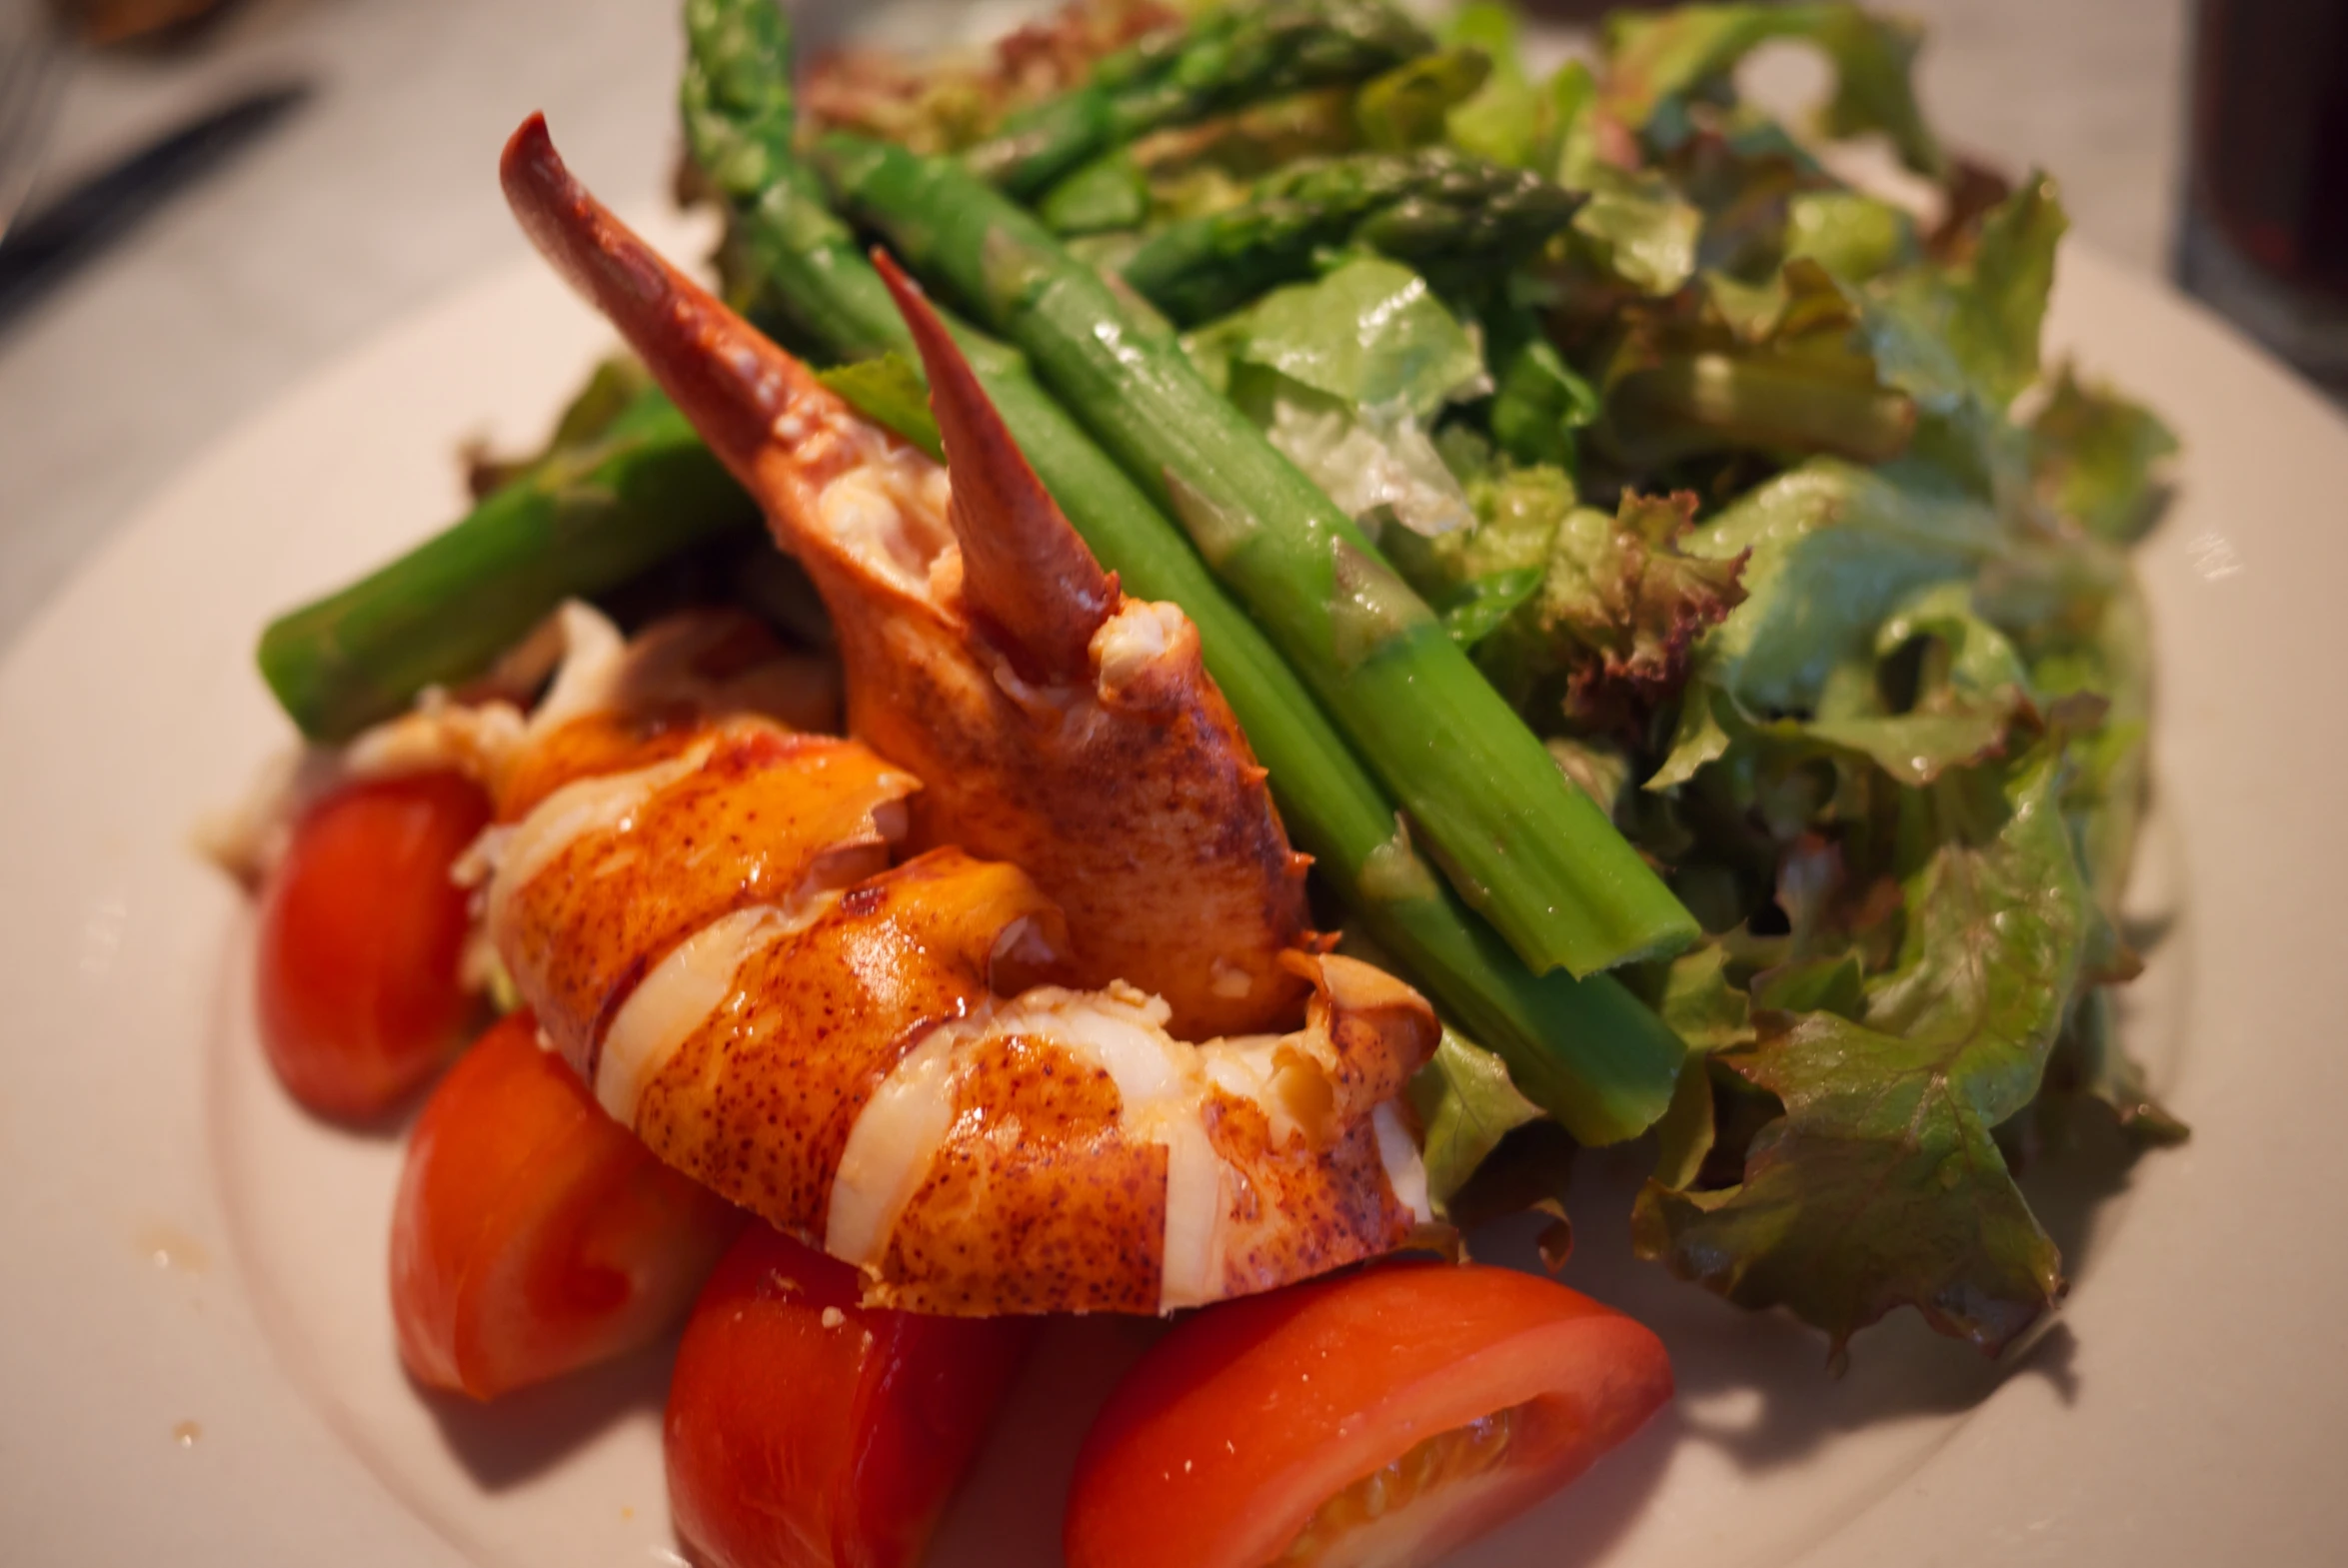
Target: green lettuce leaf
1833 551
1853 236
1882 1185
1921 363
1375 461
1984 313
1653 58
1635 228
1695 997
1970 688
1479 579
1503 120
1344 376
1371 333
890 391
1413 104
1782 366
2096 458
1466 1104
1962 341
1538 401
1598 611
2090 1064
1109 193
1622 605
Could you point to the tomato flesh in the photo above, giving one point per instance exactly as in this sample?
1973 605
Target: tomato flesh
1444 1461
1383 1417
362 935
533 1234
806 1431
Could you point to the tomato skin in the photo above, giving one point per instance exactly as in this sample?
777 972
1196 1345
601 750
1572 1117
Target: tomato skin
1222 1443
362 933
793 1443
533 1234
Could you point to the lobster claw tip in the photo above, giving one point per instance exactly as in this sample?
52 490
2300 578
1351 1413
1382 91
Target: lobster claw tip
1027 574
730 381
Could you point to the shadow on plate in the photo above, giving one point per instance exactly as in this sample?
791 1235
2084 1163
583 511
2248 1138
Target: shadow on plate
1757 1386
513 1439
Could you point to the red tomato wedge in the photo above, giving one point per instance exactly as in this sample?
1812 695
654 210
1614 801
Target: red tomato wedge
361 936
1380 1417
533 1234
805 1431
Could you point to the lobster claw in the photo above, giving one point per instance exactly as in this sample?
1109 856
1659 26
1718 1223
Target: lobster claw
1054 723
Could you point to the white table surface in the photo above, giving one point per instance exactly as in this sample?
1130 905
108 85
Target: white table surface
381 192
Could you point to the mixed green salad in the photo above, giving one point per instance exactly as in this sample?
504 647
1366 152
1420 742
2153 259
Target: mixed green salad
1687 621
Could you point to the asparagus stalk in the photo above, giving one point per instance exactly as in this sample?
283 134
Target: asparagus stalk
1586 1051
1228 57
1429 208
1528 851
581 519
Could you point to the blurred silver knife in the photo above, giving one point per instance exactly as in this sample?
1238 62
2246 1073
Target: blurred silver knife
44 247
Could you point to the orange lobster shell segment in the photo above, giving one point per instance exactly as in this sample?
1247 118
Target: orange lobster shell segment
613 869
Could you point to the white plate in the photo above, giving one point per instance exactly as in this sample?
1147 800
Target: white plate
198 1366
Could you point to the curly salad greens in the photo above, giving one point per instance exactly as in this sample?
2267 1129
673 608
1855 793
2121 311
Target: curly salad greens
1683 615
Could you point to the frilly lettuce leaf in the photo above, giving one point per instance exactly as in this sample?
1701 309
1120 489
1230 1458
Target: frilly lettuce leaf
1622 605
1882 1185
1833 550
1919 361
1653 58
1636 232
1479 579
1962 341
1981 317
1597 610
2097 458
1970 686
1466 1105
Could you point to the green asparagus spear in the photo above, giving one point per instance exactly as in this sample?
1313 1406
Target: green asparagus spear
1430 208
1228 57
1586 1051
1528 851
585 519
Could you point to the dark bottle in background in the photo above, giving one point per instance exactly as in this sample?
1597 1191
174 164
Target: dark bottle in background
2264 231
